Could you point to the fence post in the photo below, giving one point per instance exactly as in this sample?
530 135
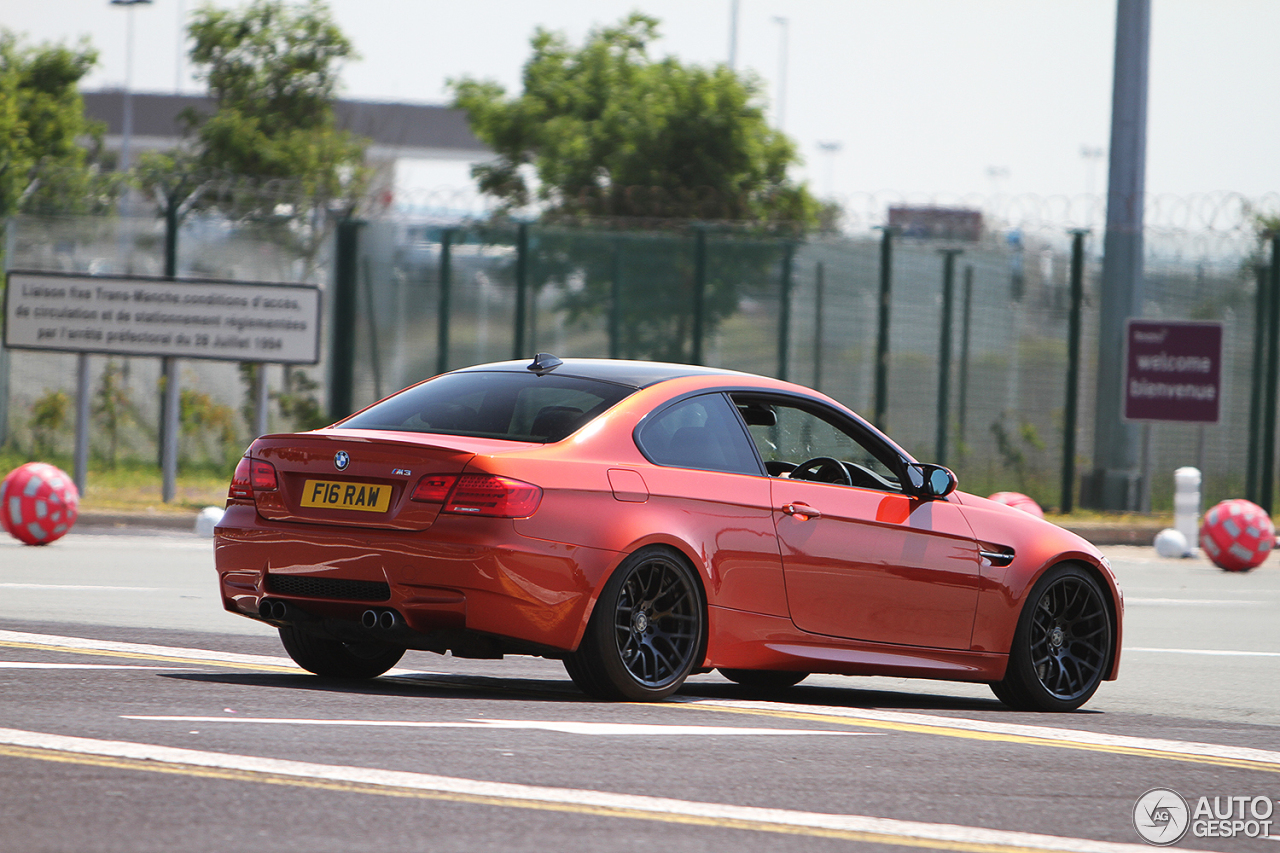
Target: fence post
784 314
173 426
166 363
80 459
443 311
615 302
1071 414
522 288
819 293
343 345
1260 315
944 352
699 291
882 337
1273 375
966 316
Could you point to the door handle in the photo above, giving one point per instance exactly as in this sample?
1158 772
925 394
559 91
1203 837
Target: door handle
801 512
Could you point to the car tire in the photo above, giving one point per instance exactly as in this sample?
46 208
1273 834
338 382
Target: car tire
766 680
646 633
336 659
1063 645
581 676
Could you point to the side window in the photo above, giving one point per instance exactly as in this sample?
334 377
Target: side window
700 432
787 436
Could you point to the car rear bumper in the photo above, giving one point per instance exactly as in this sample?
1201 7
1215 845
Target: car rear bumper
469 574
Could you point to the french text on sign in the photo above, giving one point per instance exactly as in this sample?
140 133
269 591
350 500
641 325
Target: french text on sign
179 318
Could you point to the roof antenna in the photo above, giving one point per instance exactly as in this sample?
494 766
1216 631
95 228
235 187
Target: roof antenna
544 363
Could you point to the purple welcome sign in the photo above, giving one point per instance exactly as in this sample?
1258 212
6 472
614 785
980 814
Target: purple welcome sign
1173 372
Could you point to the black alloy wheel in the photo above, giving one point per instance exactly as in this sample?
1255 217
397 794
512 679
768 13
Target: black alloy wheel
1063 644
646 633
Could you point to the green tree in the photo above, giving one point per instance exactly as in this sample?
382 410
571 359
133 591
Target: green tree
45 164
272 69
610 131
606 131
271 151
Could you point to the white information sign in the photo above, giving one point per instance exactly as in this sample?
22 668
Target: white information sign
180 318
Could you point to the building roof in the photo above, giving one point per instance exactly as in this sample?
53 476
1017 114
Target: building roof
396 130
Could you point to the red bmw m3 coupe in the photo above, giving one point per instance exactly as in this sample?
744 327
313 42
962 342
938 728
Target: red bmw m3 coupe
643 521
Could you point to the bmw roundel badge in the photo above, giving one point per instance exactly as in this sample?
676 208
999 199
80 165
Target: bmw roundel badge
341 460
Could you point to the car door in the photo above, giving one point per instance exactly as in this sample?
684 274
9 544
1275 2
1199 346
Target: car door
862 561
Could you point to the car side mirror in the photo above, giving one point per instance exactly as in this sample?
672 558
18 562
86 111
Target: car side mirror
931 481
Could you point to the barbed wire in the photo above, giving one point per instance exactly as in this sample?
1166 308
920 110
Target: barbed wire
1219 227
1223 213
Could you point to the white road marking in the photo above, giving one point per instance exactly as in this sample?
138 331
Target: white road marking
1241 602
569 799
141 648
565 726
14 664
1065 736
67 587
1217 652
172 540
1039 733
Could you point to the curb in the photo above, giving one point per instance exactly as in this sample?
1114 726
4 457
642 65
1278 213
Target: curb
1102 535
141 521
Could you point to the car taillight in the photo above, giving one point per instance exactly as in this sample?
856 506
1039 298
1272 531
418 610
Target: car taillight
264 476
488 494
251 475
479 494
241 488
434 488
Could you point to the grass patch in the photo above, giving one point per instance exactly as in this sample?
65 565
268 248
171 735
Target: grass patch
132 486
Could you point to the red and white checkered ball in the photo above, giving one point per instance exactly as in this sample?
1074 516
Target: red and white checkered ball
1018 500
38 503
1237 535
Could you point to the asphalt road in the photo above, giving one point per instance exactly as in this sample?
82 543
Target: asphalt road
136 715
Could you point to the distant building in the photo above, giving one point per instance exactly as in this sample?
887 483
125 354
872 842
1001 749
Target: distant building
397 131
939 223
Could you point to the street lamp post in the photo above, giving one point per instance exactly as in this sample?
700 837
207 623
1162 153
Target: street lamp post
167 431
831 149
784 23
126 130
733 35
1092 154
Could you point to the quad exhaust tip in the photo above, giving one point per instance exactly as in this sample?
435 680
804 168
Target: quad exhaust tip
273 610
381 620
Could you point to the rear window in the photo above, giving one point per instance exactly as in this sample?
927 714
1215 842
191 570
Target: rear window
515 406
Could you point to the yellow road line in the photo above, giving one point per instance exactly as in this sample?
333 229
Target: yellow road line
110 653
1060 739
994 737
895 833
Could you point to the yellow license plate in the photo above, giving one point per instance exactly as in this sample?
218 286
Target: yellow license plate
333 495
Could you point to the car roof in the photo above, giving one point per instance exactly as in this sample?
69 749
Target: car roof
635 374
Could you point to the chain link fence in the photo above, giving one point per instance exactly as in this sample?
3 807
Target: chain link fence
436 289
37 389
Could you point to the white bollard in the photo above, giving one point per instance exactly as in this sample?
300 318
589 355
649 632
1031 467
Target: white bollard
1186 505
208 519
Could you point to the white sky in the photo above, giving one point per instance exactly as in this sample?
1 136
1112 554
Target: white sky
925 97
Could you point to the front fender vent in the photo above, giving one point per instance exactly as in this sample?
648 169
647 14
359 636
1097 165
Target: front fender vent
998 556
